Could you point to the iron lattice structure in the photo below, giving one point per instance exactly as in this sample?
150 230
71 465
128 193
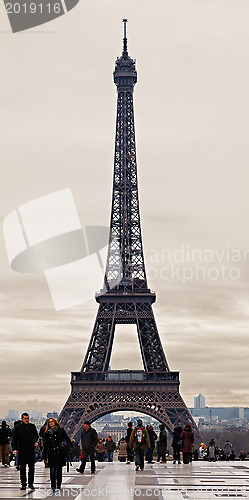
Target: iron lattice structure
125 298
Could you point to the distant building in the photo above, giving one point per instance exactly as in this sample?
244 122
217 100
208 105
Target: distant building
35 414
13 414
98 426
116 430
241 413
53 414
199 401
223 414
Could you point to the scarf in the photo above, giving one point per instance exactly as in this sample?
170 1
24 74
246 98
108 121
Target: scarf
53 430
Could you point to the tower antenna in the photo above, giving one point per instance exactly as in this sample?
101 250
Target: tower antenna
125 51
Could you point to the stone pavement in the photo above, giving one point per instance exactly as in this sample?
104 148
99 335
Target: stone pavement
118 481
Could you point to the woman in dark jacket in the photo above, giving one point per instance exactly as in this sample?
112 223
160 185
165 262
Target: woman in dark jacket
187 437
55 444
162 444
176 444
110 447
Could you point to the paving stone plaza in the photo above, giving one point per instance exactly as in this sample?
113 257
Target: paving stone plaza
118 481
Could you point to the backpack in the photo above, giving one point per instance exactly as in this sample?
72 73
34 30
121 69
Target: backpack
65 447
139 435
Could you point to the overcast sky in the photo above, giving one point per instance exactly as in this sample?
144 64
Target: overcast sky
58 105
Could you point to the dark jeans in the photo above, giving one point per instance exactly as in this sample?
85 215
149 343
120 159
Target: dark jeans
187 457
176 453
100 457
139 458
163 455
150 453
31 474
130 454
56 477
84 459
110 456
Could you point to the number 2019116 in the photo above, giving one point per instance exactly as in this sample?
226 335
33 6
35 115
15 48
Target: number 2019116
33 8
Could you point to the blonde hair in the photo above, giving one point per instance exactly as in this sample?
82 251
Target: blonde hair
55 421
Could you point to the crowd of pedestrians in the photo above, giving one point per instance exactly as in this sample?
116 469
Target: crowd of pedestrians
212 452
25 446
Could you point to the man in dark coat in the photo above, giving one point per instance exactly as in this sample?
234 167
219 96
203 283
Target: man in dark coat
24 441
89 439
127 439
152 438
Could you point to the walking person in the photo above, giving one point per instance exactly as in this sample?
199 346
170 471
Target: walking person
100 449
227 449
211 451
242 455
24 442
56 445
89 439
75 451
152 438
203 451
188 438
110 447
42 436
162 444
176 443
130 453
5 435
139 440
122 450
17 422
105 454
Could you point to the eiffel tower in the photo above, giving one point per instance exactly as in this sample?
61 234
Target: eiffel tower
125 298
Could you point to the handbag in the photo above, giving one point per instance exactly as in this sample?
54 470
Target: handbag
64 446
